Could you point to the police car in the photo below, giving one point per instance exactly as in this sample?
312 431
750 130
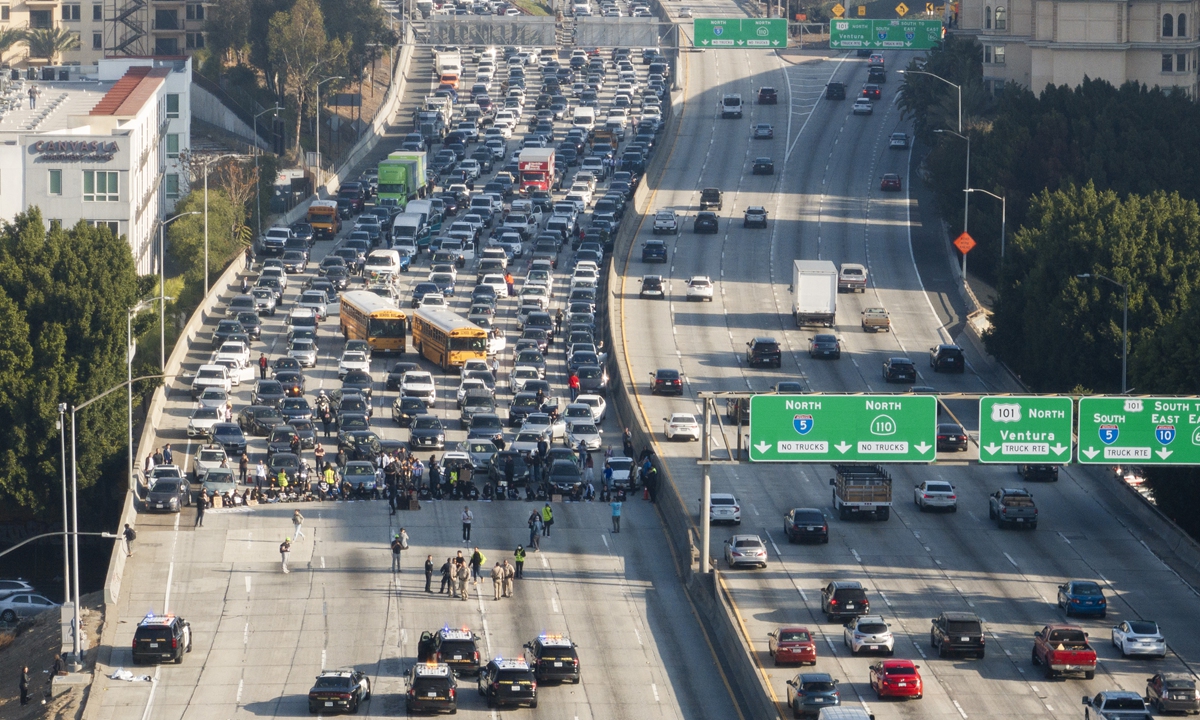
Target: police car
161 637
431 686
337 690
457 649
508 682
553 657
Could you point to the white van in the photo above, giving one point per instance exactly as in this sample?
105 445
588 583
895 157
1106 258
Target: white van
382 265
409 231
585 117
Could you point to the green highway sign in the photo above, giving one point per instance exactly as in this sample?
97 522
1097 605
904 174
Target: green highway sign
1141 430
1035 430
739 33
884 34
843 428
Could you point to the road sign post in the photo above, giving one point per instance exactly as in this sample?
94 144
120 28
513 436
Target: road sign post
884 34
1031 430
739 33
843 428
1143 431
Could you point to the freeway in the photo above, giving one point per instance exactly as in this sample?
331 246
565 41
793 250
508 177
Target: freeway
261 636
825 203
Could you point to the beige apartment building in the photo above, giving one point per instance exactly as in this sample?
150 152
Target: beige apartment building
1059 42
111 28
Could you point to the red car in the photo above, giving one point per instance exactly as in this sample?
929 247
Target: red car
890 181
896 678
873 91
792 645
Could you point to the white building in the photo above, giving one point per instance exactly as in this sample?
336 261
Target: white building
105 149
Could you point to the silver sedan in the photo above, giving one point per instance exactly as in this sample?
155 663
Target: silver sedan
935 494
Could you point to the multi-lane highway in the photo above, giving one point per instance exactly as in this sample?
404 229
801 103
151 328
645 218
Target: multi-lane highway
825 203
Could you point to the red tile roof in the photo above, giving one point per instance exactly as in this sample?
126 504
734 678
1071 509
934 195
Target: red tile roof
131 92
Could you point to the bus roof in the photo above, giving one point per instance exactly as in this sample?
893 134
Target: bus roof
368 302
446 320
324 204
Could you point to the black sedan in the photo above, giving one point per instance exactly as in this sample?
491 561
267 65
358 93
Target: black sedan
296 408
280 440
268 392
824 345
705 222
251 324
498 467
805 524
339 277
397 372
292 382
259 419
361 446
421 290
899 369
339 690
666 381
427 431
951 436
353 422
226 329
357 381
405 409
285 363
763 166
229 436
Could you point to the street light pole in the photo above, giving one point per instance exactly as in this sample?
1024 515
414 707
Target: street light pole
1003 214
257 183
966 194
320 165
162 286
1124 326
130 350
62 441
939 77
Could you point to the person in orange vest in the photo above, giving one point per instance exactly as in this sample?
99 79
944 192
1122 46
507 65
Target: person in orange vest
508 279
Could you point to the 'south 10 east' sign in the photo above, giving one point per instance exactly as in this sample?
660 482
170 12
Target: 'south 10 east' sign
1139 430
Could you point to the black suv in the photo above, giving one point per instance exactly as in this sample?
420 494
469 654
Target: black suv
1048 473
508 682
957 632
431 687
947 357
458 649
844 599
339 690
835 91
168 494
805 523
768 96
553 657
161 637
763 351
710 198
654 251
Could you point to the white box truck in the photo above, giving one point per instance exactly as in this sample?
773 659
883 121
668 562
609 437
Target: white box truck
814 292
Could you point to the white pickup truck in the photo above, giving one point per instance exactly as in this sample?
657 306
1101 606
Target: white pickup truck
666 221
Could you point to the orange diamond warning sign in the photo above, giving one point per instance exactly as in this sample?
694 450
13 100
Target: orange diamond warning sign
964 243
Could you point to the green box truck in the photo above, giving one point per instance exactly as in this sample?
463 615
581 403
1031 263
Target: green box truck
402 176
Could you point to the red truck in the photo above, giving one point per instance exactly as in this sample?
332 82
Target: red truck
536 169
1062 649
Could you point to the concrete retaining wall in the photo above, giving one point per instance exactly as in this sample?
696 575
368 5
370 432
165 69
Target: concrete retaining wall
209 108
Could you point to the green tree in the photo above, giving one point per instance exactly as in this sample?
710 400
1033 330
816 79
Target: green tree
1057 331
227 25
10 36
185 240
49 43
301 53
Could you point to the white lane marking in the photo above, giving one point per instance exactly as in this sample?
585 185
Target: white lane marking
1014 562
654 688
885 599
322 657
1064 538
605 539
247 584
167 598
246 634
855 554
638 635
545 563
322 562
554 603
776 548
241 682
959 708
802 595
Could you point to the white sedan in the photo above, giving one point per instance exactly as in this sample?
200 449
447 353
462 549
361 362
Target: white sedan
596 403
202 420
1139 637
700 288
745 550
682 425
466 386
418 383
583 432
935 494
542 424
353 360
520 376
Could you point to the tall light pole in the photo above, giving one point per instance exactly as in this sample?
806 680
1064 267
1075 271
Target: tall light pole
257 183
966 193
62 441
1124 325
1003 214
130 351
939 77
320 165
209 161
162 286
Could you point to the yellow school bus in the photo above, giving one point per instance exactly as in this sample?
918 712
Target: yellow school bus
444 338
367 316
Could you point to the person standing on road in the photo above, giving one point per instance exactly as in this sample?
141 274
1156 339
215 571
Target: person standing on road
428 573
627 443
616 516
168 456
399 543
243 467
519 561
200 503
573 382
477 561
467 518
508 280
260 475
297 523
130 535
262 366
497 581
535 529
285 548
463 575
249 258
547 520
447 587
509 574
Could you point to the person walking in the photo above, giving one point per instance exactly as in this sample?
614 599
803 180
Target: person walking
447 587
200 503
497 581
24 683
535 529
477 561
463 575
297 523
616 515
573 382
130 535
399 543
243 467
428 573
285 548
262 366
509 573
547 520
558 321
467 518
519 561
33 93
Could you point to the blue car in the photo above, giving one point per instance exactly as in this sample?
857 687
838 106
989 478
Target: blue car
405 261
1082 597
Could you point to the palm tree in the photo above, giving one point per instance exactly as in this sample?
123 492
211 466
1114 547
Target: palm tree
49 42
10 37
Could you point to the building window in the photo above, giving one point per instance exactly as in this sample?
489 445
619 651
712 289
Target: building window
998 55
987 54
97 41
70 13
987 17
1181 26
171 185
1168 25
166 46
41 19
1181 64
195 40
1001 18
113 226
1167 62
98 12
172 105
100 186
195 12
56 182
4 12
166 20
172 145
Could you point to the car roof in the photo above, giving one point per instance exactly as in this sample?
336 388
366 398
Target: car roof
725 496
960 616
738 538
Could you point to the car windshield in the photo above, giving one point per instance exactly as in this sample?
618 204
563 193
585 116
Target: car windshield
810 517
722 501
1087 589
326 683
748 544
1180 684
1121 703
872 628
955 627
584 429
1143 628
819 686
794 636
900 670
938 487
